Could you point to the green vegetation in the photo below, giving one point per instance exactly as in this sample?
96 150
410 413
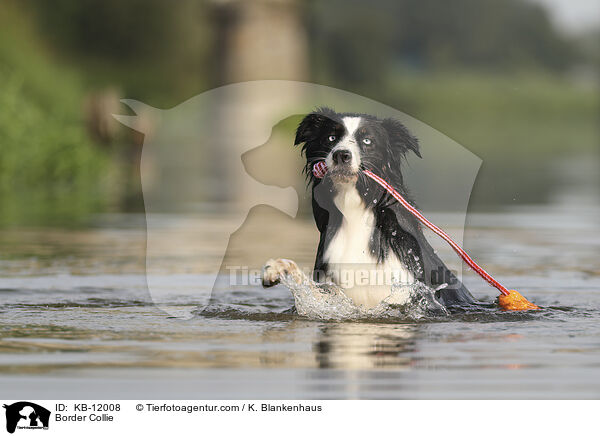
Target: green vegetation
518 124
522 114
48 166
517 107
155 51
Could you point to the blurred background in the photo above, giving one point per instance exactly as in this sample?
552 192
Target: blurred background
514 81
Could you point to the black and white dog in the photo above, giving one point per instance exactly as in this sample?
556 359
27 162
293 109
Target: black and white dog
368 240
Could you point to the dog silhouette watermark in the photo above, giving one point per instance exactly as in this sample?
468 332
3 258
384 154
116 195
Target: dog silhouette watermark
192 165
26 415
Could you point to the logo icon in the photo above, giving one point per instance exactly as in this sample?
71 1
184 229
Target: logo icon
26 415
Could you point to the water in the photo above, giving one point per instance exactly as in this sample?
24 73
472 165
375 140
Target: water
328 302
77 322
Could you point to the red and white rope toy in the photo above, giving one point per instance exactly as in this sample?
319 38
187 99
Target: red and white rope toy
320 169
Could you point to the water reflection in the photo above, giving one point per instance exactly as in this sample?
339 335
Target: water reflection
364 346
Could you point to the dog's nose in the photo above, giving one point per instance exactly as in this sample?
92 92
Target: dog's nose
342 156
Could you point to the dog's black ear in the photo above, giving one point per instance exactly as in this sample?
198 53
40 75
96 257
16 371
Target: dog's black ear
400 136
312 125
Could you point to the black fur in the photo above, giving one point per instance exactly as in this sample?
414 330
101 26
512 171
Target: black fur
396 230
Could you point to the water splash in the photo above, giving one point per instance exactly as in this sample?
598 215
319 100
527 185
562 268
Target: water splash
327 301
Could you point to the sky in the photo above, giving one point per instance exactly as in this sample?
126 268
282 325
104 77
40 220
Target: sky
574 16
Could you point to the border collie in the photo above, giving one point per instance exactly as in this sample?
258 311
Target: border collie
368 240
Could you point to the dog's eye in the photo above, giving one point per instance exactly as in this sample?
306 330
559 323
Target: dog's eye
331 138
366 141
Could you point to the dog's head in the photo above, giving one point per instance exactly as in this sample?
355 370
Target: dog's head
349 143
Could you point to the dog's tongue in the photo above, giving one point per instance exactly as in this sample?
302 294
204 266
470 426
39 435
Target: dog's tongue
319 169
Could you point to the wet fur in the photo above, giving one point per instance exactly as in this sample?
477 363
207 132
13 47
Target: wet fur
395 237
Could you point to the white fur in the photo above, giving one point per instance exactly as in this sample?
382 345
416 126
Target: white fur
351 124
350 259
351 263
348 142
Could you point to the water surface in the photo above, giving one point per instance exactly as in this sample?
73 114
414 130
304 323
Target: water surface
77 321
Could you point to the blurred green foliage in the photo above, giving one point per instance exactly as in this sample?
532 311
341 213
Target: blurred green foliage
525 114
519 125
152 50
495 75
48 165
357 43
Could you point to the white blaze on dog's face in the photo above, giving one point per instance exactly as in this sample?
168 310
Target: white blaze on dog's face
343 161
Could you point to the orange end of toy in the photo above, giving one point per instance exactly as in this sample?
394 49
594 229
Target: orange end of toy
515 301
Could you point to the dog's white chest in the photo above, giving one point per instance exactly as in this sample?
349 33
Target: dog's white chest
352 264
350 244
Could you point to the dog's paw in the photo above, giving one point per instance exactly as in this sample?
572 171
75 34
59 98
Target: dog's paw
274 270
